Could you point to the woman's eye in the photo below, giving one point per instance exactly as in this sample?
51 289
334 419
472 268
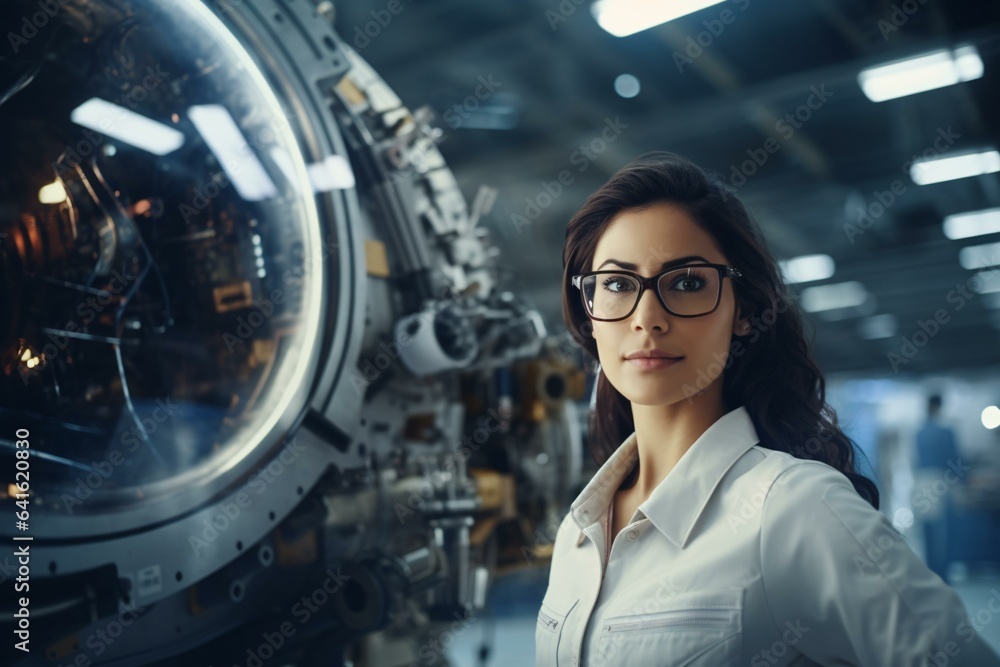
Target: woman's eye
689 284
616 285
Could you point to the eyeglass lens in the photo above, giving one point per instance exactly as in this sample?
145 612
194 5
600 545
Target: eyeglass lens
687 291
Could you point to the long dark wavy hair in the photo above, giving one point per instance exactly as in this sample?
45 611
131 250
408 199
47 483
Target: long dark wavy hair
775 377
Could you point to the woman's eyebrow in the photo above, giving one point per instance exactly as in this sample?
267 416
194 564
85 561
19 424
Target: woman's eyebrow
633 267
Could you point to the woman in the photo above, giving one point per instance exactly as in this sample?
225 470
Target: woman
740 531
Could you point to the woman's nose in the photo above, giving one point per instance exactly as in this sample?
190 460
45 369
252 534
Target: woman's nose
649 312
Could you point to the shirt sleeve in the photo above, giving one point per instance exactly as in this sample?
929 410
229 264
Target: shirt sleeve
835 566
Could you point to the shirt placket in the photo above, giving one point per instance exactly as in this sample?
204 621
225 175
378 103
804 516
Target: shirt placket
607 536
608 523
593 599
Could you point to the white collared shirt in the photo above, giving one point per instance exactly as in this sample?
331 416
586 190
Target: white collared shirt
744 555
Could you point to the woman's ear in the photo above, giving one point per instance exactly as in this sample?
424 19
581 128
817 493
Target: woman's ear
741 325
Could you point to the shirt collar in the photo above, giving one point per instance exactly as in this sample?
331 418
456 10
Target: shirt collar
679 499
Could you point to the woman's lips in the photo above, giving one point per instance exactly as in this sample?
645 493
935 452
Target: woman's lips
653 363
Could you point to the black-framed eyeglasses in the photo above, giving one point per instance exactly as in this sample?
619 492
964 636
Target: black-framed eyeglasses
692 290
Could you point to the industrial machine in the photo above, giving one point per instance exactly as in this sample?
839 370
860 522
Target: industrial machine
264 397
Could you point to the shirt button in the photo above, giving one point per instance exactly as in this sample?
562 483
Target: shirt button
632 534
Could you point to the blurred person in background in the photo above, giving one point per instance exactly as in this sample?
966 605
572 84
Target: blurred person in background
939 468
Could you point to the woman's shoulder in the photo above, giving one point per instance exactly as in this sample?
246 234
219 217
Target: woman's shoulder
814 497
816 508
791 480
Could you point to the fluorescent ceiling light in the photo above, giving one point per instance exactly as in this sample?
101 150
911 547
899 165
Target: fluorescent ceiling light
968 63
865 309
127 126
925 172
979 256
830 297
990 301
625 17
230 147
973 223
807 267
916 75
878 326
989 282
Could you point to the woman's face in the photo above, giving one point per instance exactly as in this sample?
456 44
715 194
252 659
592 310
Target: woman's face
648 238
